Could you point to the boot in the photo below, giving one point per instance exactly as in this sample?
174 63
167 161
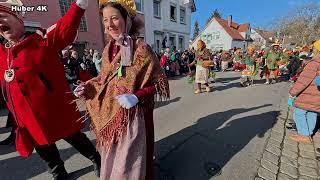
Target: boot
301 139
81 142
59 173
97 164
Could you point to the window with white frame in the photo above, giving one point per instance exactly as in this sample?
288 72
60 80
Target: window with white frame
182 15
156 8
64 6
173 12
139 5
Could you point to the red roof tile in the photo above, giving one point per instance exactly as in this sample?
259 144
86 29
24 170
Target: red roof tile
266 35
234 30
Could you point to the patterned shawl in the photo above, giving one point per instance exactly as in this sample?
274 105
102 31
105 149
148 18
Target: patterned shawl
109 119
202 55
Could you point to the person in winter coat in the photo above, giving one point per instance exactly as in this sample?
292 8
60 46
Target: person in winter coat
36 90
306 100
97 61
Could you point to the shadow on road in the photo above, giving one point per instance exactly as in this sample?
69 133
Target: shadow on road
29 167
159 104
81 172
203 149
4 130
225 87
226 80
174 78
4 112
25 168
6 149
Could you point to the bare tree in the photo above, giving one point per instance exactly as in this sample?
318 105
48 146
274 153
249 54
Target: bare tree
301 25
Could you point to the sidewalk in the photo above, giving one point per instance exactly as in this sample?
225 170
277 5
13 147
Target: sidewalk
284 159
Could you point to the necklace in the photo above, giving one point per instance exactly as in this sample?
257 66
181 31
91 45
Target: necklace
9 73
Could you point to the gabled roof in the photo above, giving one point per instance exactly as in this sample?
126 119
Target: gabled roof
234 31
267 35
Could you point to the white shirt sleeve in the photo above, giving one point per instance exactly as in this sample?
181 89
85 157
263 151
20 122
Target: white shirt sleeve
83 4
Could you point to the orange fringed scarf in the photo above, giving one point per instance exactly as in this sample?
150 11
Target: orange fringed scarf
109 119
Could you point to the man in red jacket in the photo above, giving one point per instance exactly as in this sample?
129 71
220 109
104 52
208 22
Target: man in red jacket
36 90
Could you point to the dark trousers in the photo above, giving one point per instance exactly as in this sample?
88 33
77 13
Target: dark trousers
50 153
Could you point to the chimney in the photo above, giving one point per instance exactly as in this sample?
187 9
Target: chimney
230 20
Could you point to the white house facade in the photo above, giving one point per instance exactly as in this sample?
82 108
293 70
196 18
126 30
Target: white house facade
167 22
222 34
262 38
215 37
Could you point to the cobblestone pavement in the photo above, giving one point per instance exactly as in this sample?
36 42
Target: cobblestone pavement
284 159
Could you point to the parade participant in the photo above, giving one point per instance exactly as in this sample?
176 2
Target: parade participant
284 61
272 57
247 75
202 56
225 59
293 66
35 88
120 100
237 59
304 51
165 62
306 97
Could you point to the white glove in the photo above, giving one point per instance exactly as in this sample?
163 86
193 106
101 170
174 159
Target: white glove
83 4
127 101
79 91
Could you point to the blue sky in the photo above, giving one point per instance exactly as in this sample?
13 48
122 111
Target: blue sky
259 13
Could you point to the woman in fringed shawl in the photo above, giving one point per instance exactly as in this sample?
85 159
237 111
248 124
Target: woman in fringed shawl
120 100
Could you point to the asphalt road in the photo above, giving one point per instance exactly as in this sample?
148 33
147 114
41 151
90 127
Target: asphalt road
217 135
